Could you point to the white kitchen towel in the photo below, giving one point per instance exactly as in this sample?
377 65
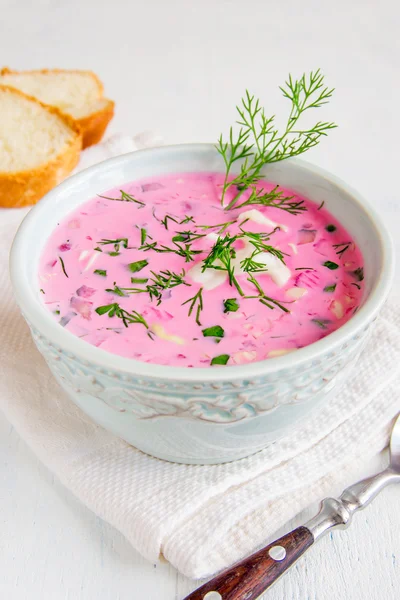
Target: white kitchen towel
201 518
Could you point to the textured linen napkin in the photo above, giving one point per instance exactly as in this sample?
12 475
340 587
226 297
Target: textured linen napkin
201 518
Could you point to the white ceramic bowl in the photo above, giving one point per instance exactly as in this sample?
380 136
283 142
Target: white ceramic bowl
199 415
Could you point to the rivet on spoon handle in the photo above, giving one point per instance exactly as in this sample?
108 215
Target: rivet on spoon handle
252 576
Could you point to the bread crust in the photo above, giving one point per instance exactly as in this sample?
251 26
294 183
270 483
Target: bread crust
23 188
93 125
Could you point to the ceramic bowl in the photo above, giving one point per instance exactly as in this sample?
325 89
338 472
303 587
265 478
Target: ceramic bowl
200 415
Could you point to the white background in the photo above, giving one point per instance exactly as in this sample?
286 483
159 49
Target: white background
179 67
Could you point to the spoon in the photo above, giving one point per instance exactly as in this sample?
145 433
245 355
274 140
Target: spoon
249 578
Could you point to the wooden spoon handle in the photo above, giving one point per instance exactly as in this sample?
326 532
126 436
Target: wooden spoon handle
248 579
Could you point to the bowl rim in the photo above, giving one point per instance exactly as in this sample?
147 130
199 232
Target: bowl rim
61 338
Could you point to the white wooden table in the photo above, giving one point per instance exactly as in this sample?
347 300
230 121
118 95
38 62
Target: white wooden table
178 67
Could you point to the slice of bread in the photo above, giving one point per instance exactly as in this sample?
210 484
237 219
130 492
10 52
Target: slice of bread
76 93
39 147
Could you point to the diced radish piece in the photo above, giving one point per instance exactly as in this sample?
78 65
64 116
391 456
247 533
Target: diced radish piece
82 307
65 247
151 187
66 318
248 344
336 307
306 236
85 291
323 247
295 293
163 315
293 247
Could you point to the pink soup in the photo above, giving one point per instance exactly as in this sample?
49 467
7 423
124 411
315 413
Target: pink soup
162 273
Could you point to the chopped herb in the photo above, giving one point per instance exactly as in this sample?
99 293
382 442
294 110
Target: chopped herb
164 221
222 359
143 235
220 258
266 300
330 265
137 266
160 282
187 220
257 240
330 288
63 266
321 205
222 226
187 236
197 298
101 272
117 243
56 312
114 310
125 197
42 291
215 331
341 248
98 249
356 285
102 310
116 290
139 279
359 274
330 228
304 269
230 305
321 323
185 251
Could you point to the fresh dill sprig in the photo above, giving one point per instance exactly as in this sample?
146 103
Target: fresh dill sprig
114 310
159 283
220 258
125 197
259 142
196 299
223 253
